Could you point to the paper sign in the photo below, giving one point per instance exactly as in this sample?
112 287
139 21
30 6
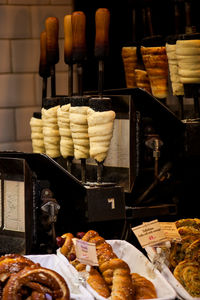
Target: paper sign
170 230
149 234
86 252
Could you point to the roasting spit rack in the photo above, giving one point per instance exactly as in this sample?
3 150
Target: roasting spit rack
54 200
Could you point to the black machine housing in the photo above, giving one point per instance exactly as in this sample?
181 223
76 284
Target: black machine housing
159 183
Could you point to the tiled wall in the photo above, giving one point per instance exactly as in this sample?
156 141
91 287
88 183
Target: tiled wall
21 22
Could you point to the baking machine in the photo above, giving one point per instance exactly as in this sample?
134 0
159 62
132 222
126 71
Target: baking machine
142 178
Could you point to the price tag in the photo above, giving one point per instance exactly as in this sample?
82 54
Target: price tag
170 230
86 252
149 234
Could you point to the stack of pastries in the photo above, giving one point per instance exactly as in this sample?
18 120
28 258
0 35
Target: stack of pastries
184 258
21 278
113 277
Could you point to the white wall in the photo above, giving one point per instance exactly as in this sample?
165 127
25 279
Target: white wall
21 22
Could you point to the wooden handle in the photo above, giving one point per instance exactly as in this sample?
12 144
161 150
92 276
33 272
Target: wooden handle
68 39
44 70
102 20
52 29
78 36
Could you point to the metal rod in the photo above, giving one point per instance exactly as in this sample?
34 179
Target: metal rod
70 80
44 87
53 81
196 106
99 171
80 79
101 78
83 170
180 99
69 164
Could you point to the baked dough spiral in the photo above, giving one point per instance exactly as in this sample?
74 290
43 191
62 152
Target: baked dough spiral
142 80
129 57
177 86
188 57
66 142
156 65
51 131
37 137
79 131
100 131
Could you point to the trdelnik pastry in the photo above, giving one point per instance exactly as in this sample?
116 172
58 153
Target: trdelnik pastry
100 131
66 142
156 65
79 131
51 131
177 85
37 137
188 56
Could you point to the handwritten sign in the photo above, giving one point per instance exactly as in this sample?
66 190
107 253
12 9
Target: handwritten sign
86 252
149 234
170 230
154 233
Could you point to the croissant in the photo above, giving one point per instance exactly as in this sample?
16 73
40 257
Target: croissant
144 288
39 280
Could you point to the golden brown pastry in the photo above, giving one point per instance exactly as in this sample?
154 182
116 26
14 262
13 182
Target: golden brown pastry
38 279
192 252
97 282
122 287
156 65
115 272
129 57
144 288
187 272
188 222
12 263
142 80
68 246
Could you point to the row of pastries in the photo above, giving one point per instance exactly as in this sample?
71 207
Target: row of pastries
178 59
72 131
113 278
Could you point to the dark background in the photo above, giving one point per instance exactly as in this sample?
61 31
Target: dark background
127 27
